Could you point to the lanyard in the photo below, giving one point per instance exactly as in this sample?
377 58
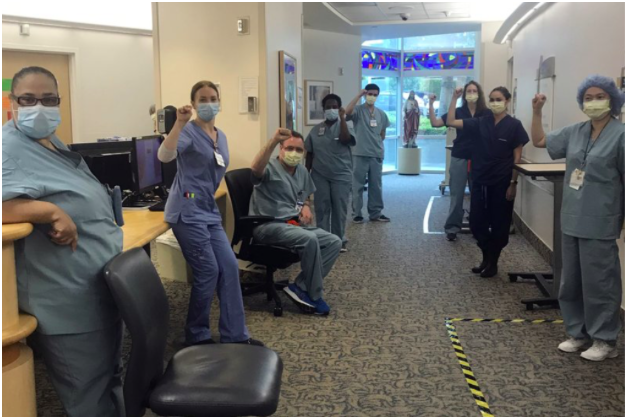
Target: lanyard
587 151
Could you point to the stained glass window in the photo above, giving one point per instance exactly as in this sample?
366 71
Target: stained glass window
438 61
377 60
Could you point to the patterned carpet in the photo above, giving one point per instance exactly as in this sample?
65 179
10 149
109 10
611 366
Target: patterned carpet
384 349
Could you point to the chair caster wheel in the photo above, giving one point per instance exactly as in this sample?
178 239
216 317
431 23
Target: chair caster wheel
277 311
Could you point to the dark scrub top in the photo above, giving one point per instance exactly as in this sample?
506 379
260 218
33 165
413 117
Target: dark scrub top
462 144
64 290
492 159
192 195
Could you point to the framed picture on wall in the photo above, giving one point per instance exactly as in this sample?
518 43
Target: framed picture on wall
315 92
288 91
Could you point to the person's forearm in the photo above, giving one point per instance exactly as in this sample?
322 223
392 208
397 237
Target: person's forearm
435 121
518 154
262 158
344 136
309 160
451 115
171 140
21 210
352 105
538 134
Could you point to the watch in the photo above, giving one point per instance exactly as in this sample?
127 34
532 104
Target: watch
514 182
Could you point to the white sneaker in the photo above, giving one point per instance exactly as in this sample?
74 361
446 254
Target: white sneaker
572 345
599 351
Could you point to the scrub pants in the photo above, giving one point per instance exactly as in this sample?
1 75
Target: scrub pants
85 370
458 177
491 214
590 289
207 250
317 249
331 201
372 167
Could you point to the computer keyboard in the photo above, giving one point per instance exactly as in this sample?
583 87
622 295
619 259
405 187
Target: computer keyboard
160 206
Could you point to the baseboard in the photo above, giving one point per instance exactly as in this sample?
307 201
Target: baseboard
533 239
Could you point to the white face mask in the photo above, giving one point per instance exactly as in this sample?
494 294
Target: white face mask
371 99
472 97
293 158
331 114
497 107
596 109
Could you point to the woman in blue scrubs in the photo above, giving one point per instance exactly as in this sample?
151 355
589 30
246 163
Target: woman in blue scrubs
201 152
498 141
592 216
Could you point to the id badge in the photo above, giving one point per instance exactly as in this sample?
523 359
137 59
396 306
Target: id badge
116 199
373 123
299 206
577 179
219 159
322 130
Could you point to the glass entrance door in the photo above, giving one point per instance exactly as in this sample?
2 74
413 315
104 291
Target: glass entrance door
430 139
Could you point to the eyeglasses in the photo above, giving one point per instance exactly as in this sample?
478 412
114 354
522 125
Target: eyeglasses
29 101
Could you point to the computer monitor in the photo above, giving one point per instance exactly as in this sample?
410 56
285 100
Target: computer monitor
147 168
109 162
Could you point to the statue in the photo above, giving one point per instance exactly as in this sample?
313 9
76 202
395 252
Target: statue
411 121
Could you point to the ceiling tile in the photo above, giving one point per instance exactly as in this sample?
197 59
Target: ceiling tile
355 4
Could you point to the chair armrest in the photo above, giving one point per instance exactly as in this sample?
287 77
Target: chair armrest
248 223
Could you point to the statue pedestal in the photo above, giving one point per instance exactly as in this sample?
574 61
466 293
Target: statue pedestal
409 161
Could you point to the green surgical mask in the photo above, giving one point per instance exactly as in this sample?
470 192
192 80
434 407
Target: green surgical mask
596 109
471 97
497 107
293 158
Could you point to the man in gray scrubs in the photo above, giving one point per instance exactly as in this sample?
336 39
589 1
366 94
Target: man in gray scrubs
329 159
282 188
370 125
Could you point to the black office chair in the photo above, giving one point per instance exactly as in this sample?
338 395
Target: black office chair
240 188
205 380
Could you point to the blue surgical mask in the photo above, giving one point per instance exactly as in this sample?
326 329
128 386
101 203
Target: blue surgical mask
38 122
332 114
207 111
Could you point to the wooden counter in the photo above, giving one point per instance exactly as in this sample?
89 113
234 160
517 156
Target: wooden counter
18 375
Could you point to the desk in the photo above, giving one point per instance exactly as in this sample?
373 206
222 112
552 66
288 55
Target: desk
18 372
143 226
548 282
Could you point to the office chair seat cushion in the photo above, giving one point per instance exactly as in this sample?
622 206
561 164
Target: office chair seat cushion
274 256
219 380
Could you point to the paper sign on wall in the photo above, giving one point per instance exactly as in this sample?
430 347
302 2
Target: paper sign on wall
248 87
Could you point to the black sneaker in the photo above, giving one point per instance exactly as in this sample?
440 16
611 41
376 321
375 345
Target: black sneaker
344 248
382 218
201 342
451 237
251 341
358 219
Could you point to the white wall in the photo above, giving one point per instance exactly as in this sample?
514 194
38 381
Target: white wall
324 53
494 58
283 32
113 77
581 46
199 41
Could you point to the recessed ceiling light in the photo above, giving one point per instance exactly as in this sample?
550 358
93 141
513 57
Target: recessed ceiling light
401 9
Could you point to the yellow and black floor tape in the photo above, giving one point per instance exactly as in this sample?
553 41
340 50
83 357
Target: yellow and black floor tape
469 376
